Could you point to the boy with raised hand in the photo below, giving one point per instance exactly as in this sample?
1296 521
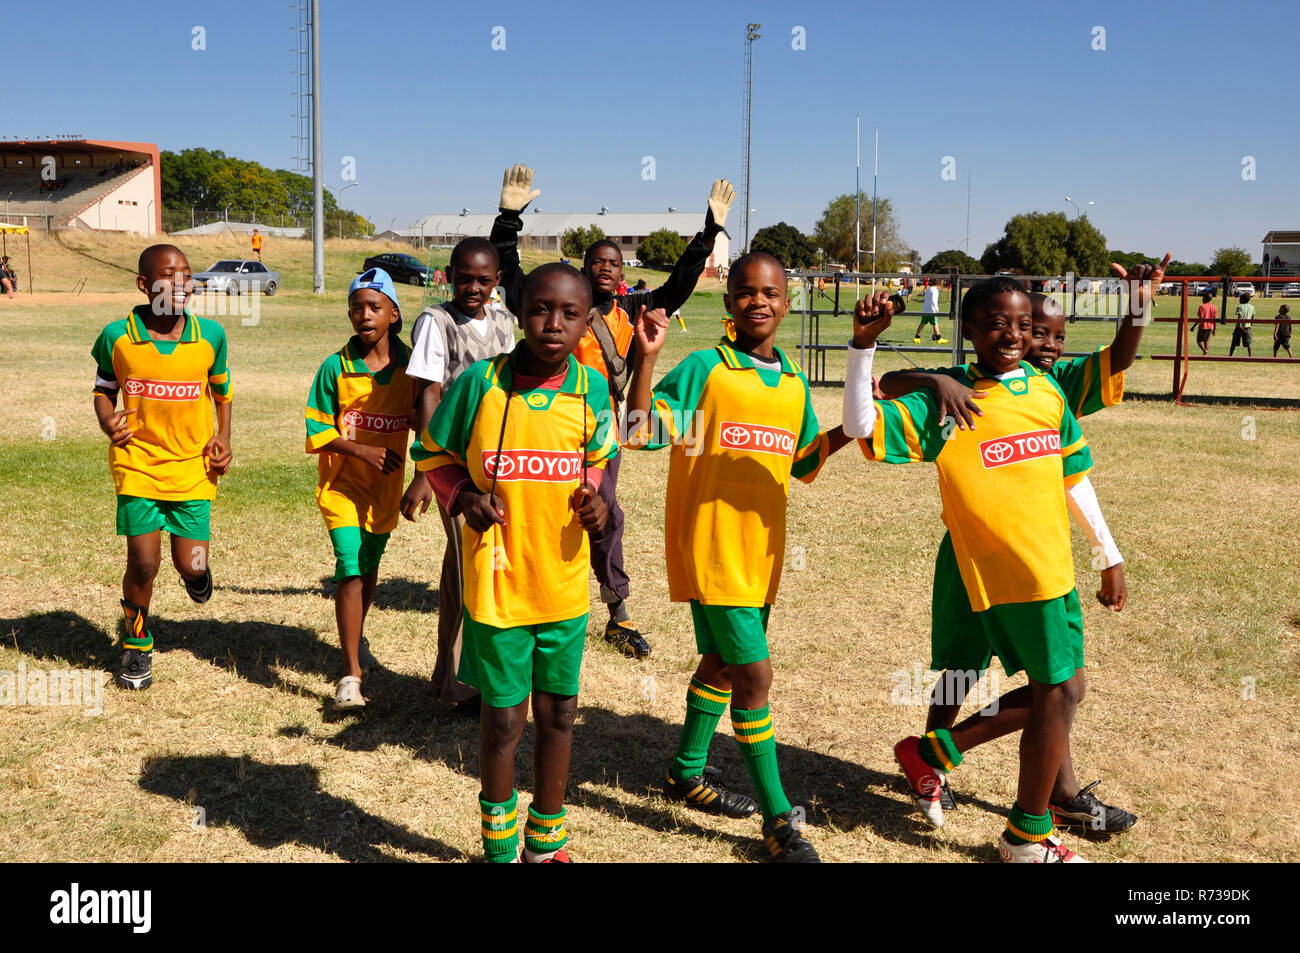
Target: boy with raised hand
740 421
164 454
1029 452
358 415
518 446
446 340
1089 383
609 349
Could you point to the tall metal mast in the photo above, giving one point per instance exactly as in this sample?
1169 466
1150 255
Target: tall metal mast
751 34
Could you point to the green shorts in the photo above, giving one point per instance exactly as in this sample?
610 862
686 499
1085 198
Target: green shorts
508 665
737 633
356 551
188 519
930 319
1043 639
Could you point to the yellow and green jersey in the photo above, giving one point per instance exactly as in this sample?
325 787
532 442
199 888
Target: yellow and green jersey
1088 383
533 569
169 385
348 400
738 432
1003 484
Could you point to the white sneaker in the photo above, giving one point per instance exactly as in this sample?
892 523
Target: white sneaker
1048 851
348 695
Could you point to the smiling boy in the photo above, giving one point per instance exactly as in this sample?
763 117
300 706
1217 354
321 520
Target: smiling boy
1022 599
517 447
750 409
164 454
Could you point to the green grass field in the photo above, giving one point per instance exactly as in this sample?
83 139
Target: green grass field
1191 714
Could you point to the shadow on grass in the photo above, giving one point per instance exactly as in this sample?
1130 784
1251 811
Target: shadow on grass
397 593
274 804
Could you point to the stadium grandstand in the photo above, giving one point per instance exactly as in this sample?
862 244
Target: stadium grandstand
542 230
91 184
1282 253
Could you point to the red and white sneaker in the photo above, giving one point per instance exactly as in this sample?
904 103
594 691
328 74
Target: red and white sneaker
1048 851
550 857
925 781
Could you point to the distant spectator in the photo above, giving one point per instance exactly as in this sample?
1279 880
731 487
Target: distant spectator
1208 315
1281 331
257 244
1241 330
640 285
7 277
622 286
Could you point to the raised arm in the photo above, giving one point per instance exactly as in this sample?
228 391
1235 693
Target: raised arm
1081 499
516 193
677 290
871 317
1144 282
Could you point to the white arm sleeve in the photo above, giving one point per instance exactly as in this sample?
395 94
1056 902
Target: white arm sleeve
428 352
1082 501
859 405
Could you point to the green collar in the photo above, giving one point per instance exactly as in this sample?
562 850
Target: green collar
354 361
501 371
139 334
739 360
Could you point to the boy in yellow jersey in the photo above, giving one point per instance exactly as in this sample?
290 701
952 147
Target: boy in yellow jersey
518 446
1089 383
1004 494
358 414
164 454
740 421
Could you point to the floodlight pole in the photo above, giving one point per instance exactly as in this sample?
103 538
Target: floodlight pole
751 34
875 178
317 194
857 212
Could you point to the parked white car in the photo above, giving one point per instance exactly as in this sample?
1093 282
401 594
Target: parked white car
1291 289
1241 288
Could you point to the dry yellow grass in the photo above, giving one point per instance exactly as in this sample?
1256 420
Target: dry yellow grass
234 723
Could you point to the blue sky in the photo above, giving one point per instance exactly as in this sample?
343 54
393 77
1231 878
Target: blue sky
1153 128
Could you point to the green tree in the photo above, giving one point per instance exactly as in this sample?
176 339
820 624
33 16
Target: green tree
790 246
834 233
574 242
1187 268
1231 261
1130 259
661 248
953 259
1047 243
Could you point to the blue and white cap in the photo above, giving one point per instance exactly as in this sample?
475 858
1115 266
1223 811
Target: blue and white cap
379 280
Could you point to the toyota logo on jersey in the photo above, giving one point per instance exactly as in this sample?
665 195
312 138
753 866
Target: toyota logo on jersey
755 437
162 390
536 466
374 423
1018 447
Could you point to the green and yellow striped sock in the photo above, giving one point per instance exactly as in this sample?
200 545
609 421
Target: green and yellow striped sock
704 706
500 829
545 833
938 751
1023 828
138 635
753 729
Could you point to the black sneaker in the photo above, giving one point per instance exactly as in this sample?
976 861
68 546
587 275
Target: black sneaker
784 843
947 800
137 670
201 590
625 637
1085 812
704 792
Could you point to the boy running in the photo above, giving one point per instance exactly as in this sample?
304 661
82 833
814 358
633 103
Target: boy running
358 415
165 457
930 315
740 420
1020 587
609 349
517 447
446 340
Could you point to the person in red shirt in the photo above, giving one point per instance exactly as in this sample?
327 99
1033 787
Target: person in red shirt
1208 315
